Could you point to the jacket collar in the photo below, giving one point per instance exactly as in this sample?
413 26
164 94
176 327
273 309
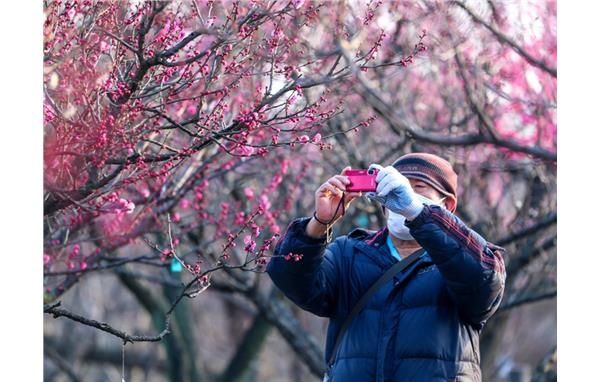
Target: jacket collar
373 244
370 242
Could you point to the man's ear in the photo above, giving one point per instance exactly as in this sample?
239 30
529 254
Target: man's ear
450 204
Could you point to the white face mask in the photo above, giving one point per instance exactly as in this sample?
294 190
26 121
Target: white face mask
395 222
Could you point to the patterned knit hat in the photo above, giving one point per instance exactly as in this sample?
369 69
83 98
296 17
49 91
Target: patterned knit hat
431 169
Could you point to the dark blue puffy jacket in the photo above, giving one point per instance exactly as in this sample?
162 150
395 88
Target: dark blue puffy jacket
424 325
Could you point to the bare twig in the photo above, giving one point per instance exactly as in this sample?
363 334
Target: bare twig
125 43
118 263
56 312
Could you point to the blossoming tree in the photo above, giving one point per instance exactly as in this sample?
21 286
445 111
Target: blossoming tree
181 137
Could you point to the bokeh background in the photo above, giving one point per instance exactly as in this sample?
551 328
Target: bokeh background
180 139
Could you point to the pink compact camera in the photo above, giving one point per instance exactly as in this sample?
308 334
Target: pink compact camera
361 180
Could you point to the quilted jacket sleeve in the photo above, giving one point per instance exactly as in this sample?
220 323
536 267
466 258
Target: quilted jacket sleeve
472 268
311 282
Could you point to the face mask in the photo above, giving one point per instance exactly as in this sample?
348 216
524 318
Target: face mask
395 222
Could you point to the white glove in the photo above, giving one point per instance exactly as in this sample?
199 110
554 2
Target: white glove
395 193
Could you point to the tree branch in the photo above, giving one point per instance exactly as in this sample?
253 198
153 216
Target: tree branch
546 222
159 58
527 300
248 350
277 312
145 25
282 318
56 312
62 364
390 116
506 40
530 254
55 203
146 360
117 263
475 107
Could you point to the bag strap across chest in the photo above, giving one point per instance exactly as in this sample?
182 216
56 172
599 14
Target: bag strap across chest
387 276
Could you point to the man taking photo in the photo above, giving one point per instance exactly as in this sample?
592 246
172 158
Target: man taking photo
405 303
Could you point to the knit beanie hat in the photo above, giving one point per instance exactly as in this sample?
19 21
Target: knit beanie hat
431 169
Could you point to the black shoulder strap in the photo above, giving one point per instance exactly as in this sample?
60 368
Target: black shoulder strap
387 276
